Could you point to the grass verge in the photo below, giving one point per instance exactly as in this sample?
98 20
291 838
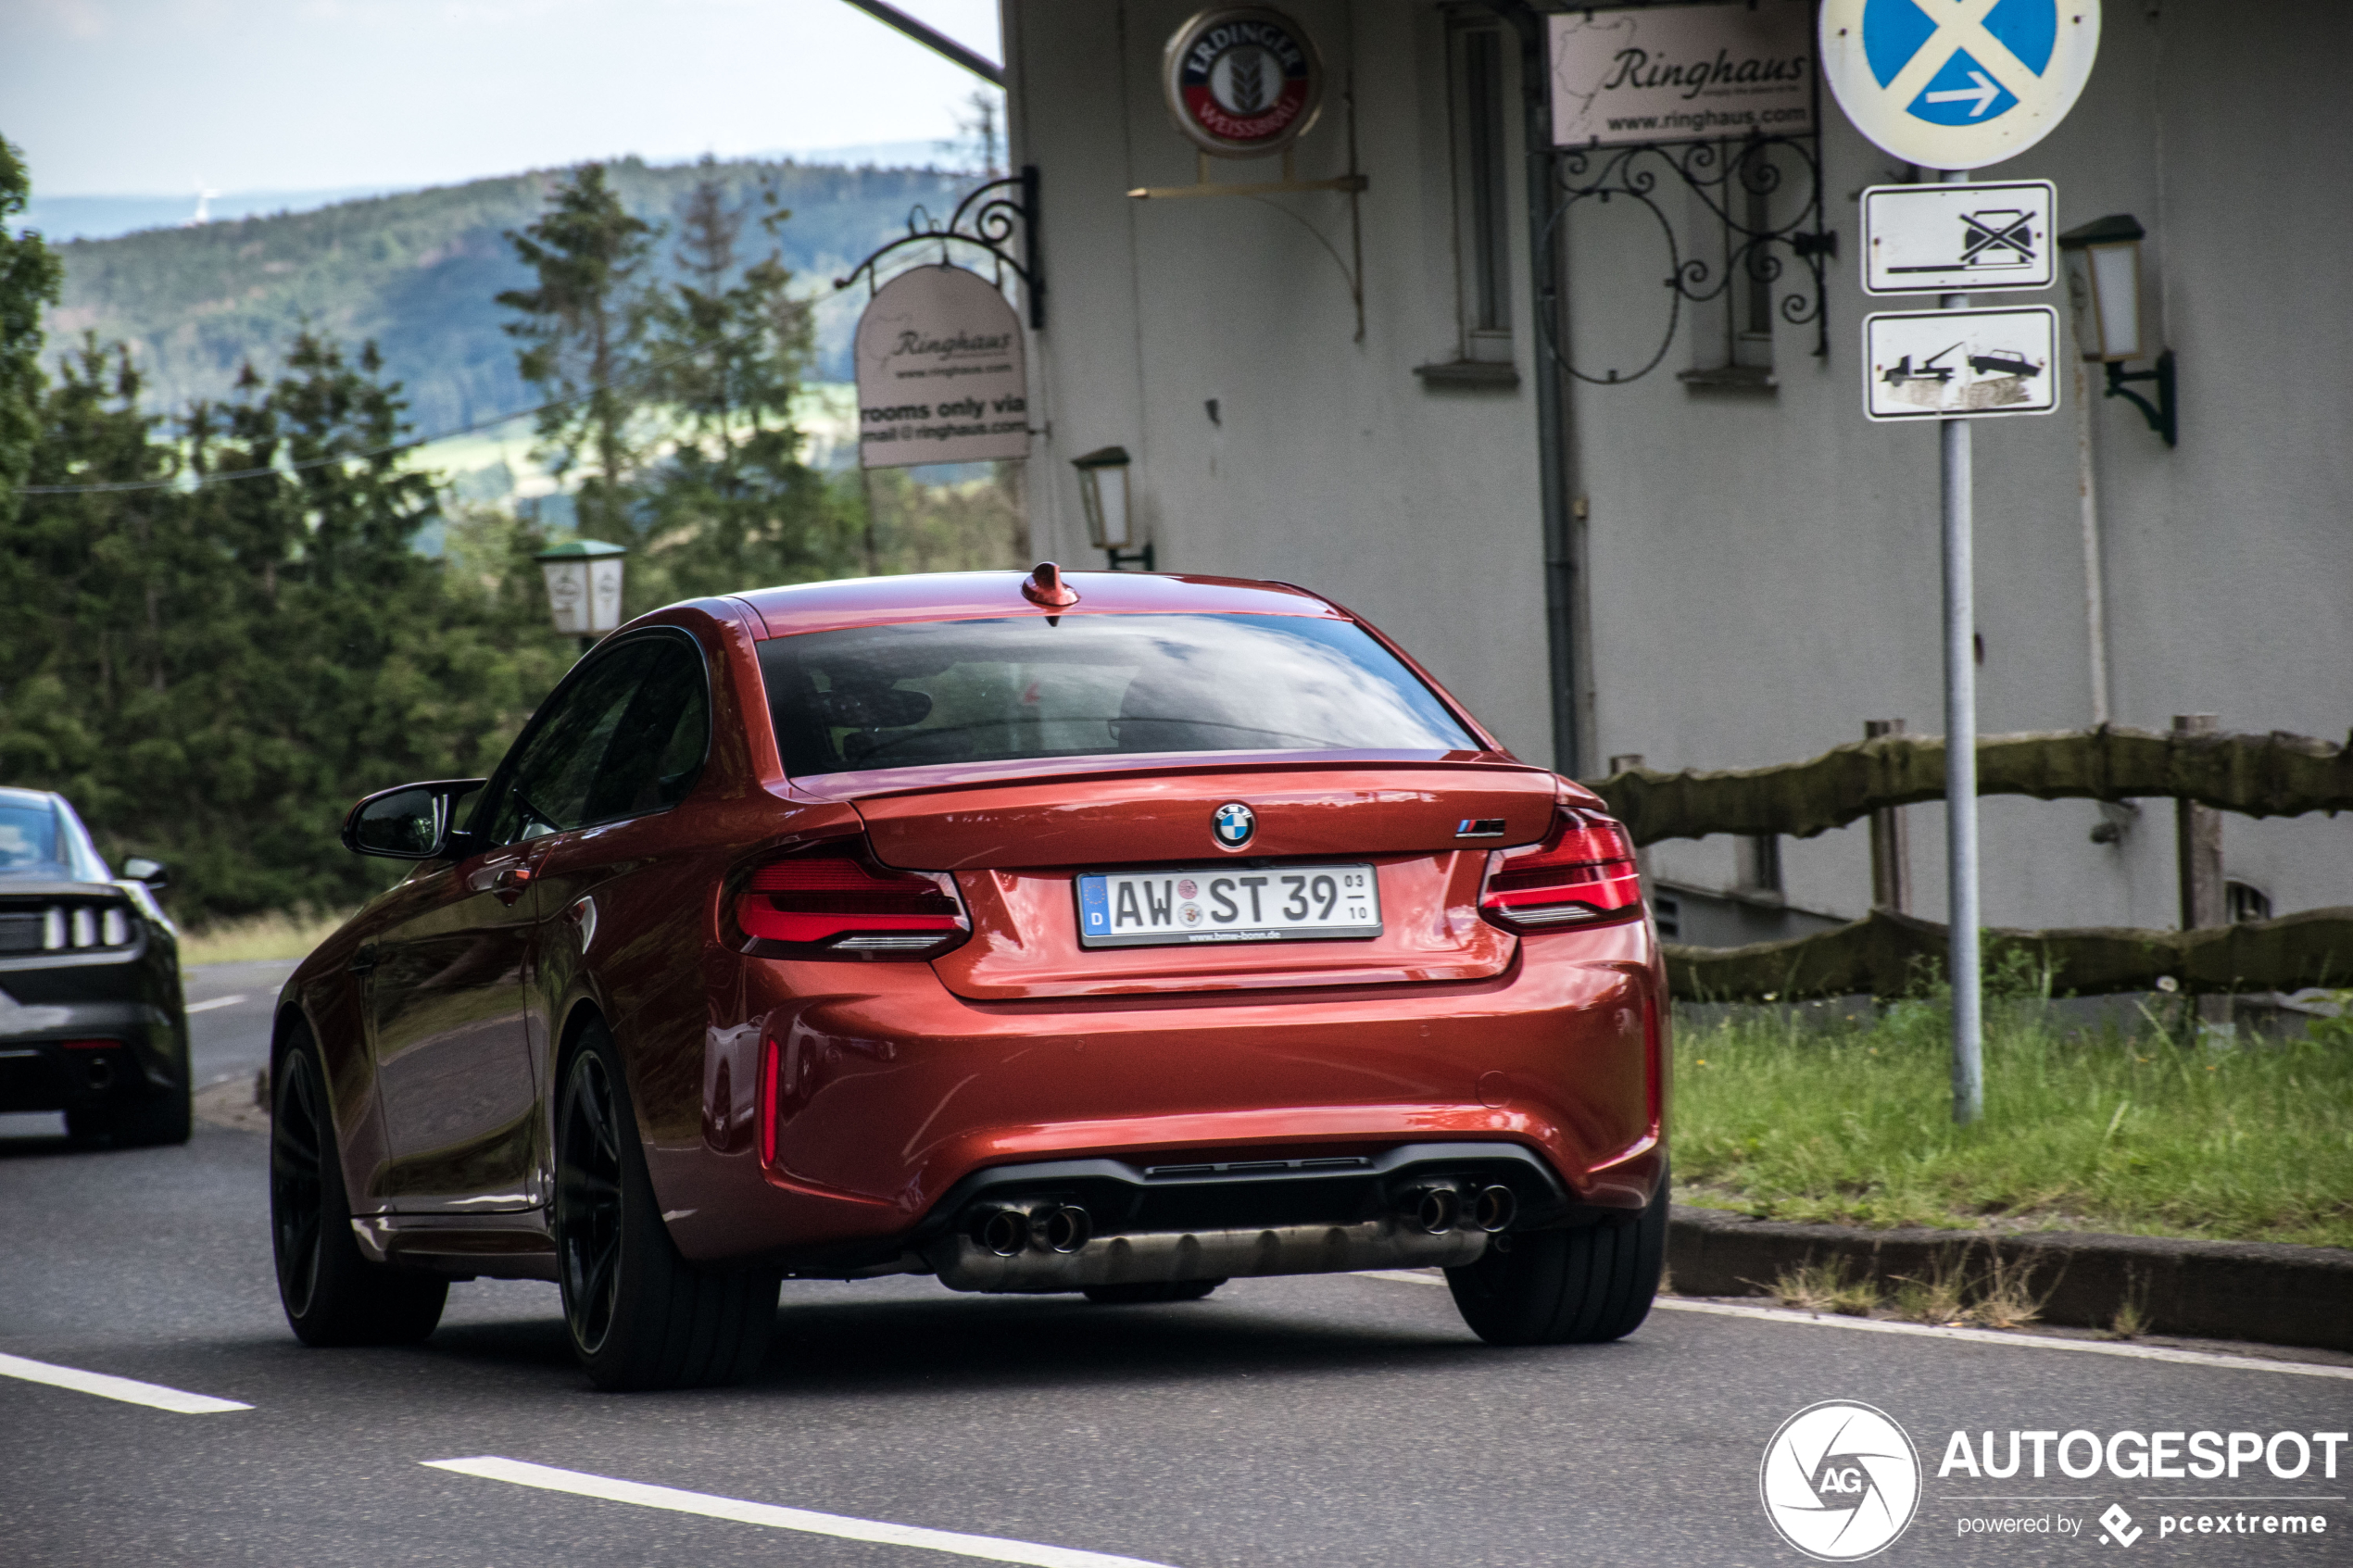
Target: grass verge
2110 1130
271 934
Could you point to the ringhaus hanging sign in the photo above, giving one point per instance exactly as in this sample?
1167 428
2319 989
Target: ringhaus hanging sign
940 373
1680 73
1243 82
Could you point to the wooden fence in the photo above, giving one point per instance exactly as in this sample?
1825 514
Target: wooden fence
2274 775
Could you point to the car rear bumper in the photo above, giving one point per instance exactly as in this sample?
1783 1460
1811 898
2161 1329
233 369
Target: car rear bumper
844 1113
70 1056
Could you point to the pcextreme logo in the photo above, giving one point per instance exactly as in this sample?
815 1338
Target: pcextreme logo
1840 1481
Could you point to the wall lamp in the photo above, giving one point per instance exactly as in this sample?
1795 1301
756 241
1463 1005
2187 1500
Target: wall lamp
1102 493
2104 281
583 587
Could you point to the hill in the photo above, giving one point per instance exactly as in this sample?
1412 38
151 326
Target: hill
418 272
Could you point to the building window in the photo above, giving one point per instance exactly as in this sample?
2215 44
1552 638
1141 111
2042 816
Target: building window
1482 212
1752 346
1758 867
1668 910
1732 328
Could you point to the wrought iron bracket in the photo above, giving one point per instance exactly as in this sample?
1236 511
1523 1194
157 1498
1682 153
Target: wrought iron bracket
1352 184
2160 414
1721 173
987 219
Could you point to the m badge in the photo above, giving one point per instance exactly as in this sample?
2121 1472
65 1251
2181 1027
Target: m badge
1233 824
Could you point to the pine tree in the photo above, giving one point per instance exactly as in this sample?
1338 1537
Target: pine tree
31 276
583 328
213 672
732 501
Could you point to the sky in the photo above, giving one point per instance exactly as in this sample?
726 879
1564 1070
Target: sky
167 96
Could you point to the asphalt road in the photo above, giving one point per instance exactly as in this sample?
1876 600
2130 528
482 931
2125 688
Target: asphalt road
1348 1422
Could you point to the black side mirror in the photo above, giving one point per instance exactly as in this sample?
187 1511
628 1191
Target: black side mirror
409 824
140 869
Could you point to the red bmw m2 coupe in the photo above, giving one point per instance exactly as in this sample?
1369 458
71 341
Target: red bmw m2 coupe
1104 932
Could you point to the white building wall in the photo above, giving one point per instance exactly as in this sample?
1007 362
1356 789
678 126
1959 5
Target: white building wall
1762 570
1331 465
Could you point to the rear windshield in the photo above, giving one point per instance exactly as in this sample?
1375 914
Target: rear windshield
1092 685
29 839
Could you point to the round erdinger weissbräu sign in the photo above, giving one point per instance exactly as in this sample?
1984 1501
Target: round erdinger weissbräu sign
1242 81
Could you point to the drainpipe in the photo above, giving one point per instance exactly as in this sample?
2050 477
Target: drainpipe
1561 565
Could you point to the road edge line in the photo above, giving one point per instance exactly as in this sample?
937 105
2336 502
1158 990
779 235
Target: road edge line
1938 1330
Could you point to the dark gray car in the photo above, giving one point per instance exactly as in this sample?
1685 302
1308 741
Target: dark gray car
92 1021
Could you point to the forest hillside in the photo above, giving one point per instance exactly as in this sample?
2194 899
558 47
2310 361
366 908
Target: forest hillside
418 273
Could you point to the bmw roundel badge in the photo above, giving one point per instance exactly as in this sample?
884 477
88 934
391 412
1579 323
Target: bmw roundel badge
1233 824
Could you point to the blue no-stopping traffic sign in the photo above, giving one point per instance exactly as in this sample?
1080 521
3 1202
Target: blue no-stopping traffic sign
1957 83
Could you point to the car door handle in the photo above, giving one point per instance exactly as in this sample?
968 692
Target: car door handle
363 960
512 882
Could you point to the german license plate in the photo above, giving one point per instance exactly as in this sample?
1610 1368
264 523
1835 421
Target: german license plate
1227 904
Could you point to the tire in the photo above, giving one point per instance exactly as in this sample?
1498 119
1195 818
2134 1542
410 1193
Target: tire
639 1315
332 1294
139 1123
1144 1295
1575 1286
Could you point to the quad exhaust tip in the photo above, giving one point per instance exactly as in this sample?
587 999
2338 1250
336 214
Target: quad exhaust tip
1430 1208
1008 1231
1436 1208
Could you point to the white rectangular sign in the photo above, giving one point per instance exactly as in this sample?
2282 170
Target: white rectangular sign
1960 364
1919 239
1679 73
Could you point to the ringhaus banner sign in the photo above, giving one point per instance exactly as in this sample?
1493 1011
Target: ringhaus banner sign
1675 74
941 377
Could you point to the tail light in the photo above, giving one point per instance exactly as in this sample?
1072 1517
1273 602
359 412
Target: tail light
1582 875
840 901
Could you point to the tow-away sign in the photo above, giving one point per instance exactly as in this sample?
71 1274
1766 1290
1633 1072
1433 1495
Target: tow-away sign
1960 364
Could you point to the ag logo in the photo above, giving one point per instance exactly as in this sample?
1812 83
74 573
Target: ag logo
1840 1481
1233 824
1242 83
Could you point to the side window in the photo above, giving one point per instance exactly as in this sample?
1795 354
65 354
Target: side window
656 749
543 785
1483 216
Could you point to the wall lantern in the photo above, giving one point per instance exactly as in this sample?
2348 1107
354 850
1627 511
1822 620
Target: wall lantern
1103 492
583 587
2104 279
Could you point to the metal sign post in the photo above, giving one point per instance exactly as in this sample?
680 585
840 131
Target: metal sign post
1955 88
1955 474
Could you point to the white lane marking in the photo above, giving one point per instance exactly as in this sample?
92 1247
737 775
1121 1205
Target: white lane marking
216 1002
1934 1331
990 1548
129 1390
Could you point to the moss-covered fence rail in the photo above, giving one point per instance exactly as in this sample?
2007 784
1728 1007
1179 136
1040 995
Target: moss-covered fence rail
1879 953
2274 775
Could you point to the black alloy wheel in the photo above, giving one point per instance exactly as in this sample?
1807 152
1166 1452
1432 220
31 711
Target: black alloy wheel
332 1294
588 1202
295 1185
639 1314
1581 1286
